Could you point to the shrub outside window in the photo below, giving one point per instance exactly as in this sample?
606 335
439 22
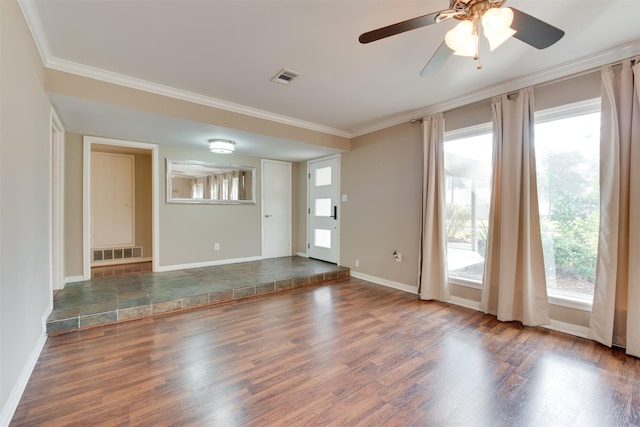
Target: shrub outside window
567 144
467 162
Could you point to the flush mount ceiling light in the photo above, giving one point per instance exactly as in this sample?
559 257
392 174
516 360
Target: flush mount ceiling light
498 24
222 146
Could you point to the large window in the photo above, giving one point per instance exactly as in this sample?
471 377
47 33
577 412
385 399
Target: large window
567 145
467 161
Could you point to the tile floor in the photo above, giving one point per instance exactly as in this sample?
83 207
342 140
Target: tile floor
115 298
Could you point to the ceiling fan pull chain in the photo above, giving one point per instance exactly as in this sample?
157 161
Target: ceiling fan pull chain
476 57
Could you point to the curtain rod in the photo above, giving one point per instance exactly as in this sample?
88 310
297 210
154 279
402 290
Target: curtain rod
633 59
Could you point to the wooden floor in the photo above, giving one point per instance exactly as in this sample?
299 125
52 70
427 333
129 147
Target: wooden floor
346 354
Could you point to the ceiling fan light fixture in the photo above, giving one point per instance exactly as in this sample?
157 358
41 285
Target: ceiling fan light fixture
470 47
496 41
461 39
222 146
496 25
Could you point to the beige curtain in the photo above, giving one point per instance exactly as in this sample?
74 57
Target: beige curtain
216 186
514 285
433 280
615 317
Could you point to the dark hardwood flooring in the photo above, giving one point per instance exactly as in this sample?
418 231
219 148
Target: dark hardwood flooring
345 354
121 269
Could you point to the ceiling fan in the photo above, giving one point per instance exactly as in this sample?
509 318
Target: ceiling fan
498 24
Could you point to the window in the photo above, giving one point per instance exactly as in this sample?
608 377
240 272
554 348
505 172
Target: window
467 162
567 144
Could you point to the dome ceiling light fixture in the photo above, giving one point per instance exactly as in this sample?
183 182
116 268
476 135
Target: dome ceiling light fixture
498 25
222 146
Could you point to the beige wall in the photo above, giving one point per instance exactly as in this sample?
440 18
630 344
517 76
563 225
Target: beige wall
82 87
25 181
73 204
299 177
143 207
188 232
382 178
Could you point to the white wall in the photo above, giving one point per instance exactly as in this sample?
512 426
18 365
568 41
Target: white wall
24 206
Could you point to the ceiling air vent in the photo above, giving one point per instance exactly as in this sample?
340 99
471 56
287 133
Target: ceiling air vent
285 76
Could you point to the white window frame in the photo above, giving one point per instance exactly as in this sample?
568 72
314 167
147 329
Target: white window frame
559 298
589 106
467 132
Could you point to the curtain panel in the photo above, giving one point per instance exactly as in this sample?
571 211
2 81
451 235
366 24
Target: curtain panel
432 277
615 317
514 283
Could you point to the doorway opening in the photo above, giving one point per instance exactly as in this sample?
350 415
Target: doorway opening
120 203
56 204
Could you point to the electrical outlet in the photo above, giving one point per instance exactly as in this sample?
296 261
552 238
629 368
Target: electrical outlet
216 247
397 256
357 263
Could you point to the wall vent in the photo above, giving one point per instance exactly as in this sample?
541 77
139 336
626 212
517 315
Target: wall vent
285 76
113 255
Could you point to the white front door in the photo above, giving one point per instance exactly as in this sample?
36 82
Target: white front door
324 186
276 208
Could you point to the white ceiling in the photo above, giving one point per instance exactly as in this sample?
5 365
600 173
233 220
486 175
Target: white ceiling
227 51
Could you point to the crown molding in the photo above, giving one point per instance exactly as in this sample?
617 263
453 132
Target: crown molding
563 71
183 95
566 70
34 24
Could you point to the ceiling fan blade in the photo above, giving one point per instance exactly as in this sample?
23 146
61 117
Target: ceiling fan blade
533 31
437 60
400 27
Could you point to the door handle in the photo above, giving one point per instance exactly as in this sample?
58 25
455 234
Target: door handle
268 216
335 212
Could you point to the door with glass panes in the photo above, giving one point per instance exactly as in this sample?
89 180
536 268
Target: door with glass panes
323 209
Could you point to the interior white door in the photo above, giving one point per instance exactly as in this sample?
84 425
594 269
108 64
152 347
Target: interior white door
112 200
276 208
323 222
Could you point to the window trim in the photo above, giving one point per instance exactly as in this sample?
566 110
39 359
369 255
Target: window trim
468 132
589 106
454 135
565 111
570 300
468 283
555 297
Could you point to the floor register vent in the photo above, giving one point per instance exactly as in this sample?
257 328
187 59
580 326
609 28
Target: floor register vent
115 254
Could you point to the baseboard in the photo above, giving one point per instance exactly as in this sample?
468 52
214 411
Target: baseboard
121 261
206 264
12 402
73 279
464 302
568 328
555 325
384 282
302 254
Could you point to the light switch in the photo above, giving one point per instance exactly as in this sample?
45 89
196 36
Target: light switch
344 197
